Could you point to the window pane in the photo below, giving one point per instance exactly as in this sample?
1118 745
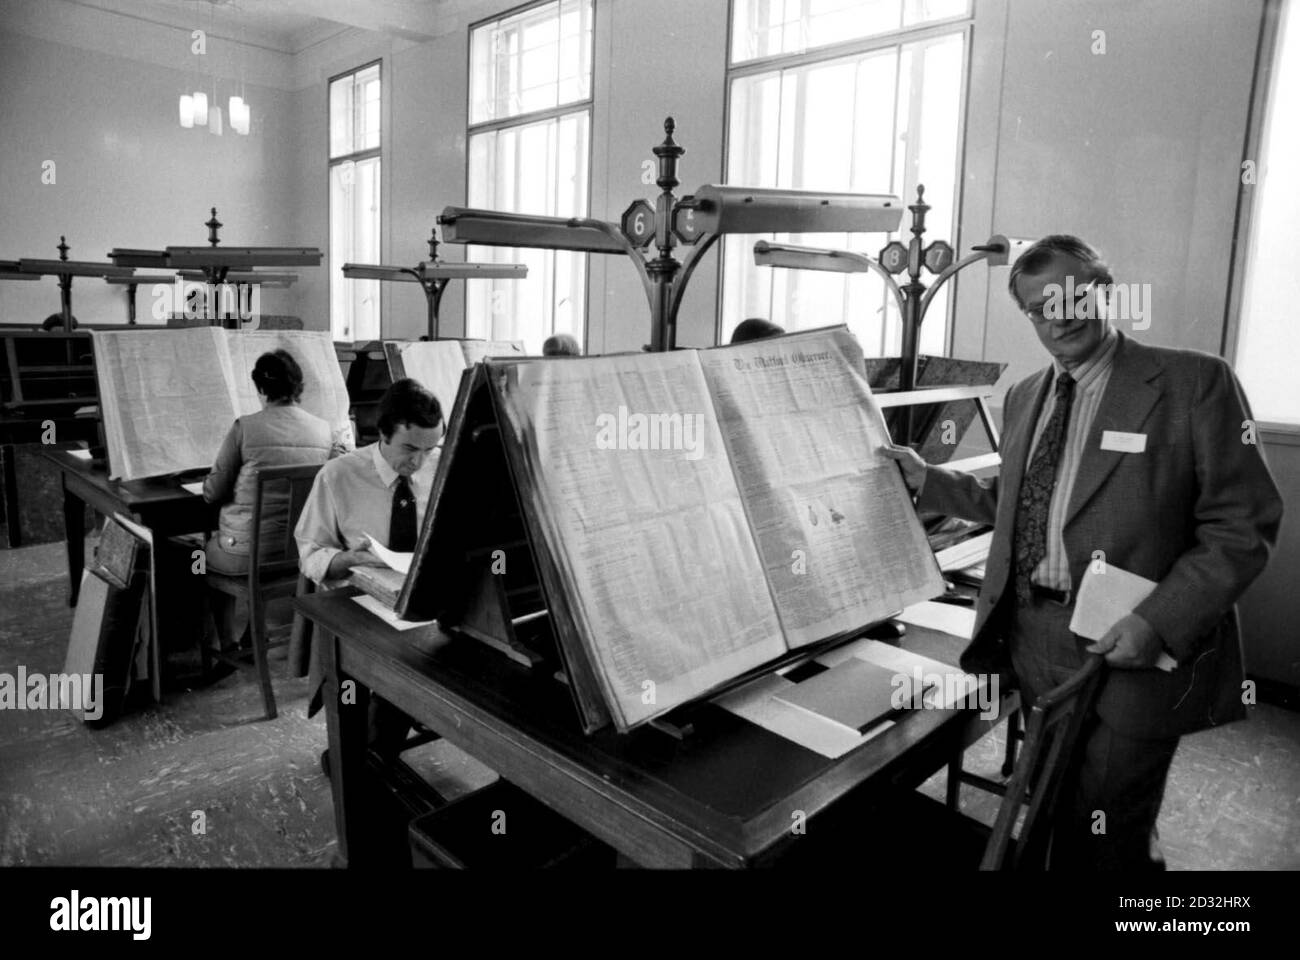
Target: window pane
1270 339
341 117
354 238
768 28
879 122
538 168
535 60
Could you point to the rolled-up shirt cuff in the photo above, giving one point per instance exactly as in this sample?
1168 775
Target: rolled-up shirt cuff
316 565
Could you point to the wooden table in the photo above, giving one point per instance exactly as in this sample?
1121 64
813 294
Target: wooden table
725 796
162 505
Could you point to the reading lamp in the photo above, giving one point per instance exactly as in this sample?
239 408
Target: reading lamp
913 298
65 270
695 221
216 262
434 276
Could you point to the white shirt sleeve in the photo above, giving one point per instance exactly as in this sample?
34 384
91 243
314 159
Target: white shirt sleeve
317 531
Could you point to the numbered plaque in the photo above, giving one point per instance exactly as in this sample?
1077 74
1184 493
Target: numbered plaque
938 257
686 225
639 223
894 257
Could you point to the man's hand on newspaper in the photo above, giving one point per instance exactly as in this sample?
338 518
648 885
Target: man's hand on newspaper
911 462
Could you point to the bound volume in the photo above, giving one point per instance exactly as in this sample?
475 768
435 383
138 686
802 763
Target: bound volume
662 524
169 396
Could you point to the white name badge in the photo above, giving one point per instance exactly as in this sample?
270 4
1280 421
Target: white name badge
1123 442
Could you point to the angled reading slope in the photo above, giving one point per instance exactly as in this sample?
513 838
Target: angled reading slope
659 525
437 365
169 396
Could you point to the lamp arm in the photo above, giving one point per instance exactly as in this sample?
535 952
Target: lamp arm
945 275
633 254
689 263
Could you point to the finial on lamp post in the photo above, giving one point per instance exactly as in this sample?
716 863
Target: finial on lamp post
63 248
919 210
433 245
213 225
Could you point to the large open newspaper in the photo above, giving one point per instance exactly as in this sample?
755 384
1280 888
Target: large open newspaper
714 509
437 365
169 396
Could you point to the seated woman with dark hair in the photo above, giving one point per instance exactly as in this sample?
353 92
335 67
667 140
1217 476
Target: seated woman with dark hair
280 434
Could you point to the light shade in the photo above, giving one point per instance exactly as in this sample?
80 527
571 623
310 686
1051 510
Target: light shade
187 110
200 108
239 115
214 120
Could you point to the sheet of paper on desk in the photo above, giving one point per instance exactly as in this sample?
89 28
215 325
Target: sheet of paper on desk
195 488
968 553
945 617
758 702
81 455
401 562
388 616
1106 598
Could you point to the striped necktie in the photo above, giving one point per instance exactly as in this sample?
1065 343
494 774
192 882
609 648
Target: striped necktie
1036 489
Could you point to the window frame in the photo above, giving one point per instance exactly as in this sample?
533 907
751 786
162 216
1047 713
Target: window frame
353 157
587 104
1266 53
963 25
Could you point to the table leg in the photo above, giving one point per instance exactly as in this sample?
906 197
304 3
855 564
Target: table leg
346 723
74 526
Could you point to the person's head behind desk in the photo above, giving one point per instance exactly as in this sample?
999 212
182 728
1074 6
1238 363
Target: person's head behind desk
278 378
410 425
755 328
55 322
561 345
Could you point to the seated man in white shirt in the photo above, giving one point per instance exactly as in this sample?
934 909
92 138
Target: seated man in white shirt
379 491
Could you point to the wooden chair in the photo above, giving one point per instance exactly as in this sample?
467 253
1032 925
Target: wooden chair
274 575
907 829
957 776
1050 742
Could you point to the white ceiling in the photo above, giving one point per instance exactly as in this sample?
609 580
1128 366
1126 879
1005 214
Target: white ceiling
285 25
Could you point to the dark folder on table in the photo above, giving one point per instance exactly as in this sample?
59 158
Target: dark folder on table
856 694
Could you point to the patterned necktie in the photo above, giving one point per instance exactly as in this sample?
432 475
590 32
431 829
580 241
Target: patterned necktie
401 525
1036 489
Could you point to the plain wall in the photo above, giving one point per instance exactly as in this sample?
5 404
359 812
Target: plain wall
1137 150
126 174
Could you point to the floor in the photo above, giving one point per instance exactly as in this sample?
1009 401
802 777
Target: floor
203 780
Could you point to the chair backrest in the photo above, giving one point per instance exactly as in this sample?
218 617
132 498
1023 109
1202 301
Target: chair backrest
1051 738
279 558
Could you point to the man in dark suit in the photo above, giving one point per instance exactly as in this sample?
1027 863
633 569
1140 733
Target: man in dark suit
1127 455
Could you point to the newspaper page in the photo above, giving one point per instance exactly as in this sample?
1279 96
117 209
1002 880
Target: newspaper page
840 541
437 365
324 392
642 513
166 397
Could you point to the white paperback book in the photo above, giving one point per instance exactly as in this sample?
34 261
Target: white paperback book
1106 598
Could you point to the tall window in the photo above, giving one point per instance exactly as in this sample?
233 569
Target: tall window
1268 338
863 96
354 201
529 136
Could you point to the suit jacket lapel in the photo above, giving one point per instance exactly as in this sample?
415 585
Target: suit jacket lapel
1018 433
1124 407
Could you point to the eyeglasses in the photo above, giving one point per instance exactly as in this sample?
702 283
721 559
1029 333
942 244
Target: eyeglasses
1036 315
